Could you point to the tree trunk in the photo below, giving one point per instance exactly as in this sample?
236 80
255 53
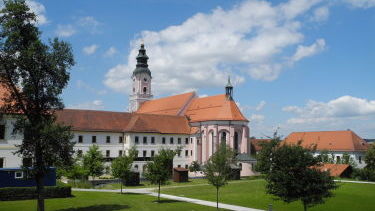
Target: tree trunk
40 190
304 206
217 198
159 193
121 181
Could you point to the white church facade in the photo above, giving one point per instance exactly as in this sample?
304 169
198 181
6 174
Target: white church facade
196 125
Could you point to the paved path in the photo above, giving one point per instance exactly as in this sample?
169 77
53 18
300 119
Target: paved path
352 181
148 191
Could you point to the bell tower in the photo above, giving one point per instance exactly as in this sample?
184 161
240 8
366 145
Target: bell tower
229 90
141 88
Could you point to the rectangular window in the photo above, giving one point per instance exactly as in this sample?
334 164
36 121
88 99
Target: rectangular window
108 153
145 140
120 139
187 166
186 153
2 162
80 139
191 152
120 153
152 153
27 162
152 140
179 166
171 140
360 159
179 153
144 153
186 140
179 141
93 139
2 131
18 175
191 140
108 139
338 159
163 140
136 141
79 152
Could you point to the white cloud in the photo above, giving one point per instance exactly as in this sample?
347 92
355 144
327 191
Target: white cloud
340 108
92 105
251 38
90 23
91 49
362 3
65 30
257 117
320 14
110 52
39 11
260 106
306 51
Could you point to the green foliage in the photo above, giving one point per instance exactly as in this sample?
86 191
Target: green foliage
325 157
121 166
194 166
364 174
23 193
370 157
263 164
34 75
218 168
159 170
291 176
93 162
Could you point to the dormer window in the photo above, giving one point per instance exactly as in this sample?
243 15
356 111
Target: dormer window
145 79
144 90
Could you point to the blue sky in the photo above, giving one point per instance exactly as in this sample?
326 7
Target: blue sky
297 65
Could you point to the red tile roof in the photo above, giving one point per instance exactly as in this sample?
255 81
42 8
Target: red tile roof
335 170
88 120
329 140
173 105
214 108
255 143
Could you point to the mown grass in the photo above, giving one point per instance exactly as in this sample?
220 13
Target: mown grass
251 193
97 201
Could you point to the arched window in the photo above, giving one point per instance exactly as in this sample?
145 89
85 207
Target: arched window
144 90
223 137
235 142
136 167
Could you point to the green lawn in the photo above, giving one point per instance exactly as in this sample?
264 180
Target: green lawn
251 193
147 184
94 201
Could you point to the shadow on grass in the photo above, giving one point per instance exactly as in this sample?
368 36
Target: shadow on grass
166 201
102 207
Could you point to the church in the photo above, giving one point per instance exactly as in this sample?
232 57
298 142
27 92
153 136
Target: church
195 124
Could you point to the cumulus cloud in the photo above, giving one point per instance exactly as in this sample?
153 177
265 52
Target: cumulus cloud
305 51
39 10
260 106
320 14
361 3
91 49
339 108
90 23
91 105
252 38
257 117
65 30
110 52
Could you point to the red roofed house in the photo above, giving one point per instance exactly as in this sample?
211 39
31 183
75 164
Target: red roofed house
336 142
196 124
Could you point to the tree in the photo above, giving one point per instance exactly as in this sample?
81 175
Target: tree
121 166
217 169
194 167
292 174
93 162
159 170
370 157
33 74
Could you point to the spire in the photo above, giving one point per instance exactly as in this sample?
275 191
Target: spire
229 90
142 66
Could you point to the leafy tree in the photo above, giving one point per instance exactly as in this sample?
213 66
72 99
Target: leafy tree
291 175
325 157
159 170
217 169
194 167
34 74
370 157
93 162
121 166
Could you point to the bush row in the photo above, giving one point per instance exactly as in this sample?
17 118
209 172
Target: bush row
23 193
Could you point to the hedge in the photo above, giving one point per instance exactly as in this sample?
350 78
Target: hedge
23 193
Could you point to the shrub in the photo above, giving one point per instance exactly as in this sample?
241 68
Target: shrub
23 193
80 184
364 174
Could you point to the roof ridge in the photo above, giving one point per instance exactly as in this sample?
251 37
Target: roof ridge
89 110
